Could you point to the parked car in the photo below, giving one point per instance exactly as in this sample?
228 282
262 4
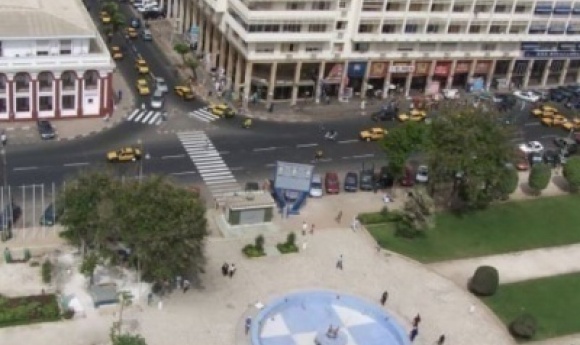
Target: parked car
367 180
567 144
551 157
316 186
422 175
531 146
9 216
49 216
45 130
521 162
331 183
408 179
535 158
528 96
560 95
384 178
351 182
146 34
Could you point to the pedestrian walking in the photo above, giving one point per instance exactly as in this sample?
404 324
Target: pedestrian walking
304 228
441 340
339 263
120 95
186 285
339 217
384 297
414 333
416 321
248 324
232 270
304 245
149 298
225 269
312 229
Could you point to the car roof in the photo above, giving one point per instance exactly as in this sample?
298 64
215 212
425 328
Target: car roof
158 93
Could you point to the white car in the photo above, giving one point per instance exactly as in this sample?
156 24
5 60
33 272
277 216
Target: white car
422 175
161 85
157 100
528 96
316 186
531 146
148 7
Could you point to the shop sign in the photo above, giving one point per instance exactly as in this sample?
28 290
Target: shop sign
462 67
357 69
335 74
422 68
442 69
378 70
482 67
551 54
193 34
398 68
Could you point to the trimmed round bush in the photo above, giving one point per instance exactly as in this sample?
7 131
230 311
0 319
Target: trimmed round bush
485 281
524 326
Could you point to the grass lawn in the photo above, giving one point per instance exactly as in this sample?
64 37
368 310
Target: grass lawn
28 309
502 228
552 301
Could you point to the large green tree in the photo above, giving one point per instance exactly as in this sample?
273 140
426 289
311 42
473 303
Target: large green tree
467 155
571 172
162 224
401 142
117 22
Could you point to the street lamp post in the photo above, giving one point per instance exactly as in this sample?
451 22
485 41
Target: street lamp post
4 169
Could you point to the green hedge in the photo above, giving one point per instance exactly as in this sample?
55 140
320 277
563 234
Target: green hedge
26 310
384 216
252 251
286 248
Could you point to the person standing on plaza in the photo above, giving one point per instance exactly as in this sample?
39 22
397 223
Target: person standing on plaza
248 324
384 297
304 228
225 269
339 263
312 229
232 270
339 217
186 285
416 321
441 340
414 333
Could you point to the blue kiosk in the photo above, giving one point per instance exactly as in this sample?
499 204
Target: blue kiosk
291 187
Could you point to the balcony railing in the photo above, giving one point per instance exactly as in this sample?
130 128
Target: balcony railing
264 37
51 62
448 37
248 14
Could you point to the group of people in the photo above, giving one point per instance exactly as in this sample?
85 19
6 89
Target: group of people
228 270
415 331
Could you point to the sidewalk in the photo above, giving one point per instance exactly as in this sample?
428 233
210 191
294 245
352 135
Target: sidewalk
74 128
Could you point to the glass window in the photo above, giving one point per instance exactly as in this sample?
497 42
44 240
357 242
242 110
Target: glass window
68 80
3 105
432 28
411 28
290 28
3 82
22 82
22 104
68 102
474 29
45 103
91 80
45 81
389 28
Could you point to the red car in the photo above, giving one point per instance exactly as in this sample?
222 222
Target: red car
408 179
331 183
521 161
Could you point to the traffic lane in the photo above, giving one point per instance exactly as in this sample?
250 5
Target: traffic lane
266 157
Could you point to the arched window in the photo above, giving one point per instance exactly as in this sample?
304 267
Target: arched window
3 83
45 81
91 79
68 80
22 81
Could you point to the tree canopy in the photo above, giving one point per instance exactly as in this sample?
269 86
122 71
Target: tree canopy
571 172
466 150
161 224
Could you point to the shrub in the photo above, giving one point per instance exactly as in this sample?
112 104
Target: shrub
34 263
259 244
7 256
571 172
508 184
291 238
524 326
485 281
251 251
46 271
539 178
384 216
26 255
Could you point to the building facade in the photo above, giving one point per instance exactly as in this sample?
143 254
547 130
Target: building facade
304 49
53 62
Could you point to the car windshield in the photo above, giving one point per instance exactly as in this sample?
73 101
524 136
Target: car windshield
316 185
366 178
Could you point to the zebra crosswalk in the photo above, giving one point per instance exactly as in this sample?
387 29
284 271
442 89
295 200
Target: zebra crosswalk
203 114
213 170
146 116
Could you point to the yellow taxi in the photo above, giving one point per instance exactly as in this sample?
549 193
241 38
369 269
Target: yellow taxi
544 111
141 66
105 17
414 115
116 53
555 120
221 110
184 92
371 134
568 125
143 87
125 154
132 33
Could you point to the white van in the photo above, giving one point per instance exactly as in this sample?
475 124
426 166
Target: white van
316 186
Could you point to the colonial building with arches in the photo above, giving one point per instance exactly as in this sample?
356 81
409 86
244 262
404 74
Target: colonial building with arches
53 62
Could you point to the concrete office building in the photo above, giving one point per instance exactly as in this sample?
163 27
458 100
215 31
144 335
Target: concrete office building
303 49
53 62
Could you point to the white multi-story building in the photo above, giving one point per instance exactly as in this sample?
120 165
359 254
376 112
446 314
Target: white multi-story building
53 62
297 49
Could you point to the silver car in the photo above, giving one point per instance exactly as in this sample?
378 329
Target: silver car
161 85
157 100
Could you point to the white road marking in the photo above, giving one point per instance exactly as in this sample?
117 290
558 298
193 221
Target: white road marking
265 149
76 164
306 145
173 156
184 173
25 168
368 155
348 141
